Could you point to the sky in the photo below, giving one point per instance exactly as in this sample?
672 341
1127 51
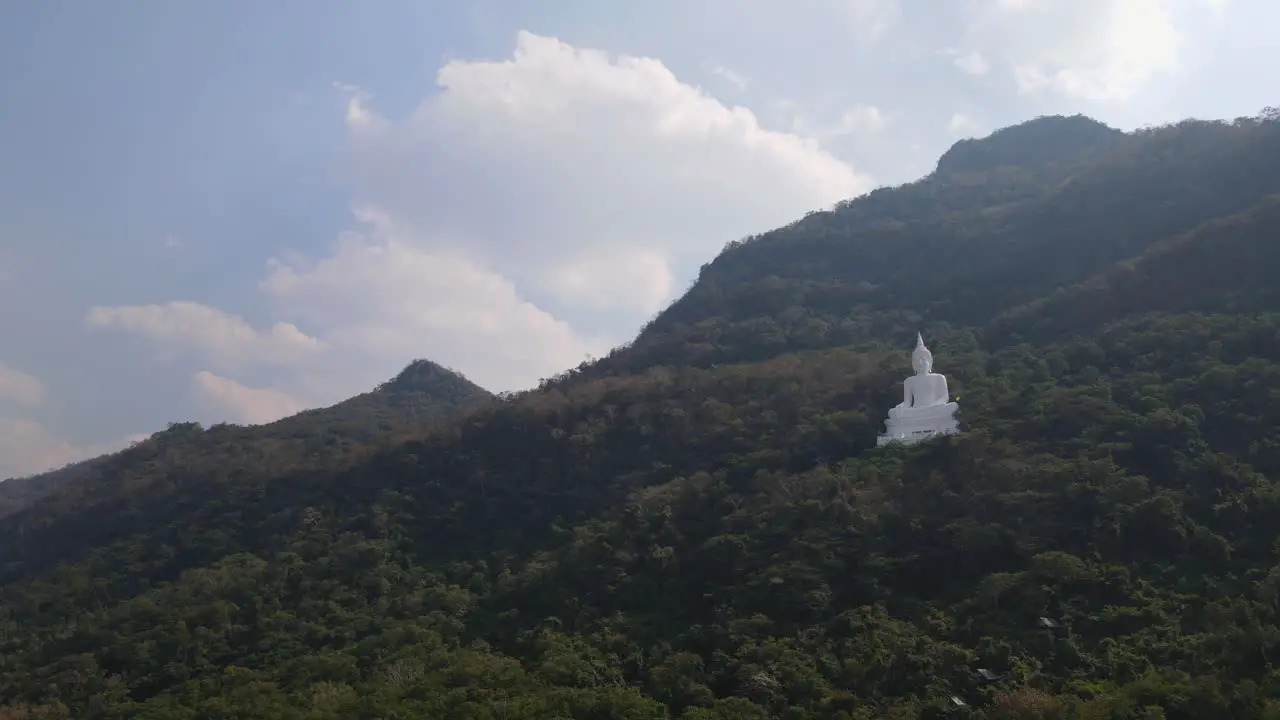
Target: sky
232 210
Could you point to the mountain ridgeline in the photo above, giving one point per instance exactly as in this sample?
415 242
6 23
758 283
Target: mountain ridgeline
421 394
698 526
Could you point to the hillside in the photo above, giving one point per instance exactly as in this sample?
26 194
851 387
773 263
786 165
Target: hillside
17 493
699 527
957 248
422 393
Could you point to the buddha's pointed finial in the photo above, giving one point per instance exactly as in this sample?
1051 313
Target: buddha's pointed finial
921 358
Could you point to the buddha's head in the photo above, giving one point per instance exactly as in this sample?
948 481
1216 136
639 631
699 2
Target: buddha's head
921 358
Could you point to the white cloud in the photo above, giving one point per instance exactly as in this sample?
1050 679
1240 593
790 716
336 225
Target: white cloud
972 62
19 387
579 283
227 338
860 119
859 126
557 126
1084 50
569 175
730 76
961 125
380 293
585 178
534 211
242 404
25 445
356 101
581 152
28 447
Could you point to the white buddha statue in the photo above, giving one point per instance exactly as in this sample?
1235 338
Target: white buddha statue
926 409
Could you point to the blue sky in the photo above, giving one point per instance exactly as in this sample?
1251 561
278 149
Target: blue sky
231 210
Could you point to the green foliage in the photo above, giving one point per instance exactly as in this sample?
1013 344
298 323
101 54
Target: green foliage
423 394
699 527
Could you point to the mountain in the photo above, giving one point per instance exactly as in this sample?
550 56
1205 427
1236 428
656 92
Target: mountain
17 493
956 248
698 526
422 393
1045 142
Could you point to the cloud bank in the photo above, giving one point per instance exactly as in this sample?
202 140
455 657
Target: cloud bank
529 213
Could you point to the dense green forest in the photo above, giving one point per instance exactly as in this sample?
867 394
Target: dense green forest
698 526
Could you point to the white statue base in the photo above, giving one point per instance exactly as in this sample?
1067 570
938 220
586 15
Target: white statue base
910 428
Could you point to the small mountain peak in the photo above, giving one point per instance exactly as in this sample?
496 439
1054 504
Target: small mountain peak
424 376
1045 140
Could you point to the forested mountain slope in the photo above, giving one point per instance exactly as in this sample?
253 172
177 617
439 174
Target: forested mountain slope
1226 265
966 243
699 526
422 393
17 493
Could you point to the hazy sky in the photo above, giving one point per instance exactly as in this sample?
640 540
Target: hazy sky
229 210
